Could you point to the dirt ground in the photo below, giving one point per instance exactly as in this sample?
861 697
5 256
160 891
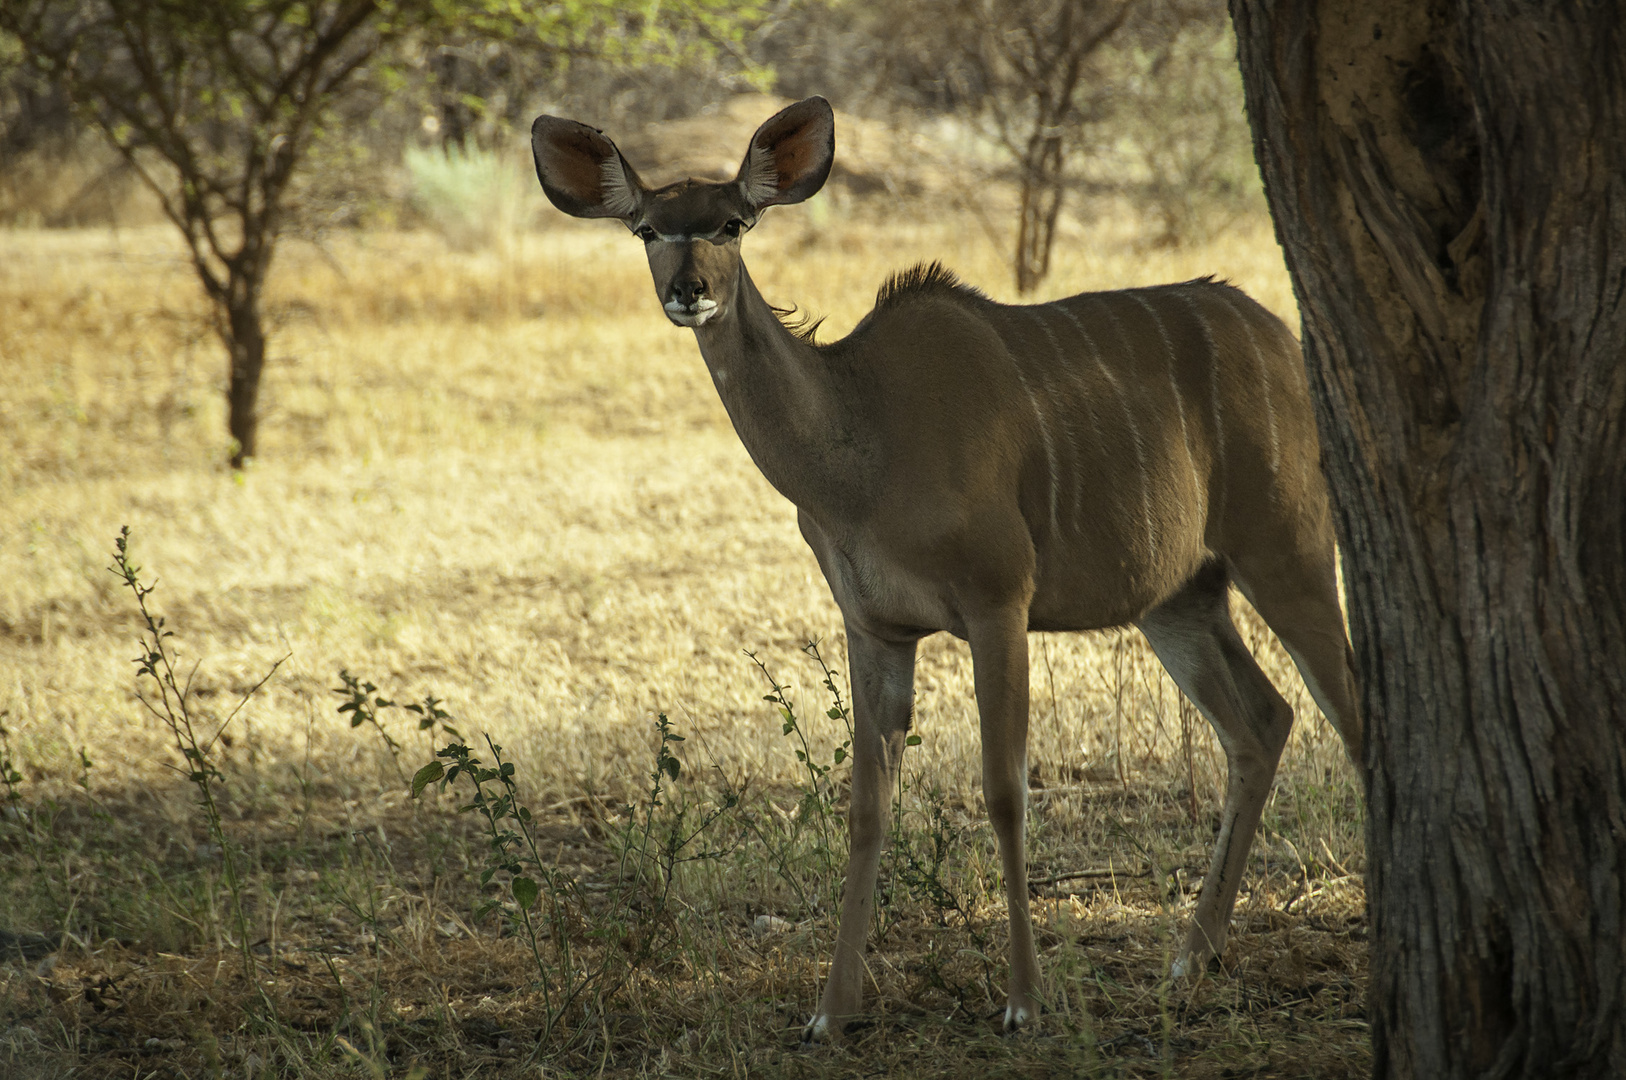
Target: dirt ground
502 479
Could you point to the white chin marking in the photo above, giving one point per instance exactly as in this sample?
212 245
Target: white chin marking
683 315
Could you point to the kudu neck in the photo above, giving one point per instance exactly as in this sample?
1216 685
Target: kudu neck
791 406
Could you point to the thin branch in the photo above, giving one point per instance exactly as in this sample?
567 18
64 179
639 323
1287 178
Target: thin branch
243 701
1076 875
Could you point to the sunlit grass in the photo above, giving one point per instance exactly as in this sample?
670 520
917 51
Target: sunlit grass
503 477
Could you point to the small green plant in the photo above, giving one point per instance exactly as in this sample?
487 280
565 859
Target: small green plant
511 838
822 789
923 852
22 820
548 907
807 849
167 697
12 780
364 704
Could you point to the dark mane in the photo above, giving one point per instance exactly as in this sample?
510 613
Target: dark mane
924 279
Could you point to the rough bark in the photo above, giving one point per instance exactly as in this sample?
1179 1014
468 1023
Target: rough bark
1449 185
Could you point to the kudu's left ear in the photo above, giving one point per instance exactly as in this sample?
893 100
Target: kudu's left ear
790 155
582 172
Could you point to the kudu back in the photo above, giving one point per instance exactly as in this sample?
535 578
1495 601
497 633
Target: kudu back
988 469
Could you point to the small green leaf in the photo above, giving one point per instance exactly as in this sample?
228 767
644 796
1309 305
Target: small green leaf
834 714
913 740
426 776
841 754
671 767
525 893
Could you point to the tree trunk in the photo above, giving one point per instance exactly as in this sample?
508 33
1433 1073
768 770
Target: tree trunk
1449 184
1042 191
245 341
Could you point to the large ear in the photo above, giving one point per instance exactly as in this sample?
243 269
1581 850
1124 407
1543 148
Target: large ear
582 172
790 155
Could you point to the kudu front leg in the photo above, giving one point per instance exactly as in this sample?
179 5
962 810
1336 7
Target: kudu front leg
999 654
883 681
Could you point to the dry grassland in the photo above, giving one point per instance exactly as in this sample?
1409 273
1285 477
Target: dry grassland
503 478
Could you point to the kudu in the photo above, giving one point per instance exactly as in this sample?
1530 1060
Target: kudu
987 469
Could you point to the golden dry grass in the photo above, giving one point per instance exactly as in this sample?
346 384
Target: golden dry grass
503 478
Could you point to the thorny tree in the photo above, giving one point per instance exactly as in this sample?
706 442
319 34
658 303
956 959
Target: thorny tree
1030 58
1048 76
1449 183
214 104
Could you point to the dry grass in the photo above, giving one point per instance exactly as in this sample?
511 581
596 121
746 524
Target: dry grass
505 479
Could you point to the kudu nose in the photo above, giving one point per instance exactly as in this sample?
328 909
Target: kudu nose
687 300
687 291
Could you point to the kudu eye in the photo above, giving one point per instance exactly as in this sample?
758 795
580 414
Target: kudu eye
644 233
734 227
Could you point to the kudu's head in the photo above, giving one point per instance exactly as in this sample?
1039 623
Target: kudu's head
691 229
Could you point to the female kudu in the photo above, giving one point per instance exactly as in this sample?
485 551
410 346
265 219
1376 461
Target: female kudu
986 469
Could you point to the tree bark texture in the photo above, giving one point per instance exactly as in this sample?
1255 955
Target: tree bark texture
1448 181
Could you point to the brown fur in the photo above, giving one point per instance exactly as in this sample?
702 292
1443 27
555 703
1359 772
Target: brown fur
988 469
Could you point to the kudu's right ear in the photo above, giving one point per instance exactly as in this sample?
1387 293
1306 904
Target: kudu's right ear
790 155
582 172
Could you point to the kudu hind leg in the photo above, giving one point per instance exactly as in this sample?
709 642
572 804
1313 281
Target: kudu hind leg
883 677
1194 637
1301 607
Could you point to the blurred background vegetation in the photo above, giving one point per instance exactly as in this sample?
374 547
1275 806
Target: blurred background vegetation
492 471
428 127
242 121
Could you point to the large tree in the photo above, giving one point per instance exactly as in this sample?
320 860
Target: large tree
1448 180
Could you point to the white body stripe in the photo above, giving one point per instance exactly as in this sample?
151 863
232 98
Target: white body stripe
1044 434
1038 311
1264 385
1179 404
1214 396
1134 429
